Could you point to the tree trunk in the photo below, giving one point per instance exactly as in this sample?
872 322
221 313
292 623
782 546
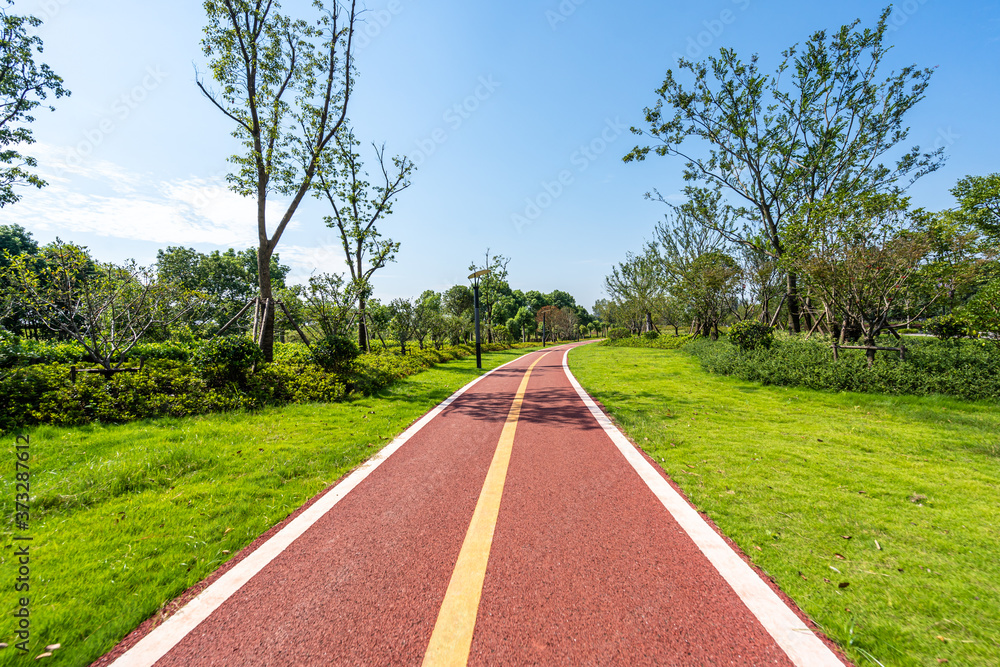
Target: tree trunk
793 304
649 321
267 317
362 327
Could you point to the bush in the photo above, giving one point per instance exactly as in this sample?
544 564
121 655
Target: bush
19 352
227 359
290 383
293 353
748 335
501 334
169 351
658 342
651 335
618 333
984 310
45 394
965 369
948 327
335 353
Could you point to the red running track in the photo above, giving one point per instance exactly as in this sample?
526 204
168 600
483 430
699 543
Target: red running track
592 560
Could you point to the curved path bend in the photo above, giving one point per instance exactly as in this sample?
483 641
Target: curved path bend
511 525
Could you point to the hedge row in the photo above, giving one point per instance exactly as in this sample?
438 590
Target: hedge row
44 393
659 342
965 369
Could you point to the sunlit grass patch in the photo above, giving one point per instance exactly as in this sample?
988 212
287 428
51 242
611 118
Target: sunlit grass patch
876 514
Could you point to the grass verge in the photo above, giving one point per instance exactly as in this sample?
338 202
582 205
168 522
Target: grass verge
125 518
876 514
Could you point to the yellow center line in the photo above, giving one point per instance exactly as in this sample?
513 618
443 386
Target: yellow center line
451 639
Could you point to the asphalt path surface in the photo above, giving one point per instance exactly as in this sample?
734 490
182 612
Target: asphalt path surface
512 525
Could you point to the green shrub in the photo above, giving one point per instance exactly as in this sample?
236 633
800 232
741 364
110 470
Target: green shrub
292 383
165 351
335 353
984 311
966 369
502 335
658 342
949 327
20 352
293 353
749 335
651 335
618 333
45 394
227 359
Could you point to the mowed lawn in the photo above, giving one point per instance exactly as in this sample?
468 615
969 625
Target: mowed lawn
879 515
125 518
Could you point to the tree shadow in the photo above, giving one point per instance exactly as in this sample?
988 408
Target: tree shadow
557 405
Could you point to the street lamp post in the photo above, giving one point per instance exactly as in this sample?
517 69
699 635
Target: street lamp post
475 302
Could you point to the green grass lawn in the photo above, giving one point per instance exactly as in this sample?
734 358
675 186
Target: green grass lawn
878 515
125 518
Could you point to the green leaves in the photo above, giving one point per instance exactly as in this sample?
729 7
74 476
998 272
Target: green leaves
979 199
24 84
820 124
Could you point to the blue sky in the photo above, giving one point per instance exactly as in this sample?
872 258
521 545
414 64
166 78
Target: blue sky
497 102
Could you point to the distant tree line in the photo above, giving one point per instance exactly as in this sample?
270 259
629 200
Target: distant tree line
59 291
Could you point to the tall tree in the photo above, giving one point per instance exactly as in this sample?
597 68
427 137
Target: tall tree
23 86
226 281
859 253
711 288
285 84
403 322
979 199
637 284
106 308
358 207
329 304
15 240
823 123
492 287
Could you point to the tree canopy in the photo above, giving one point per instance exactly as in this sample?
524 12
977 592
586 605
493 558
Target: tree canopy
24 86
827 121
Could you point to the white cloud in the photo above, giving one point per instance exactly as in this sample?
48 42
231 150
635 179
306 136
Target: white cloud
309 260
137 207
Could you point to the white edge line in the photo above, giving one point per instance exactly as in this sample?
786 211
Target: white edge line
801 645
164 637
